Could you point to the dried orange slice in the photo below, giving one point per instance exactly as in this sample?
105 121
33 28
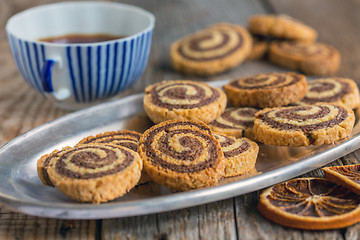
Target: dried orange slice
348 176
310 203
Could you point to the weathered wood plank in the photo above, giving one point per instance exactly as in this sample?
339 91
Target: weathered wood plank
210 221
180 224
217 220
19 226
140 227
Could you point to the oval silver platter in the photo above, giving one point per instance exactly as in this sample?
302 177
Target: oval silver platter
21 189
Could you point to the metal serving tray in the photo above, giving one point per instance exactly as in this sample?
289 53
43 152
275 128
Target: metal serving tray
21 189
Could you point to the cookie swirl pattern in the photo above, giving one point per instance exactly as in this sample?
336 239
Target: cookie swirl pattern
183 95
181 155
183 99
316 59
266 90
211 50
236 122
240 154
335 90
43 164
95 172
210 44
303 125
125 138
104 160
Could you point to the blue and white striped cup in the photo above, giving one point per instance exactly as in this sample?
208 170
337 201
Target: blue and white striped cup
77 75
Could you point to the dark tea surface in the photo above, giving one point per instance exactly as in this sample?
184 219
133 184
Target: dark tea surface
81 38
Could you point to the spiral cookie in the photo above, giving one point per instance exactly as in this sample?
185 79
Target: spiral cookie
182 155
213 50
43 165
183 99
316 59
281 26
95 172
125 138
266 90
332 90
236 122
240 154
303 125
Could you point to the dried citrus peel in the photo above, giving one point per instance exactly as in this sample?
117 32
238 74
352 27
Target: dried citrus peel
310 203
347 176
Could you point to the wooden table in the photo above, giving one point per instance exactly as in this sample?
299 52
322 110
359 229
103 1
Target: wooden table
22 109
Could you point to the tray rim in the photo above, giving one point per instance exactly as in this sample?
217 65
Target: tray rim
172 201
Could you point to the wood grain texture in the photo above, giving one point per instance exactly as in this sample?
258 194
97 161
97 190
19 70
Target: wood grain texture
18 226
21 109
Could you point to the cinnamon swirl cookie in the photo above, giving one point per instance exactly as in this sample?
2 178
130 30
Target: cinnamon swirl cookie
316 59
236 122
266 90
43 165
126 138
333 90
183 99
212 50
303 125
281 26
240 154
182 155
95 172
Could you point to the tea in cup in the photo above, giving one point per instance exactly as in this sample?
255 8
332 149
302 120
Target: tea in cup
81 53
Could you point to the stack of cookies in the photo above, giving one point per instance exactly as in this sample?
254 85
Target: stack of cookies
292 44
286 41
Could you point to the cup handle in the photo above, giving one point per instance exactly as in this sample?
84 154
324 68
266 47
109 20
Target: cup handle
46 80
